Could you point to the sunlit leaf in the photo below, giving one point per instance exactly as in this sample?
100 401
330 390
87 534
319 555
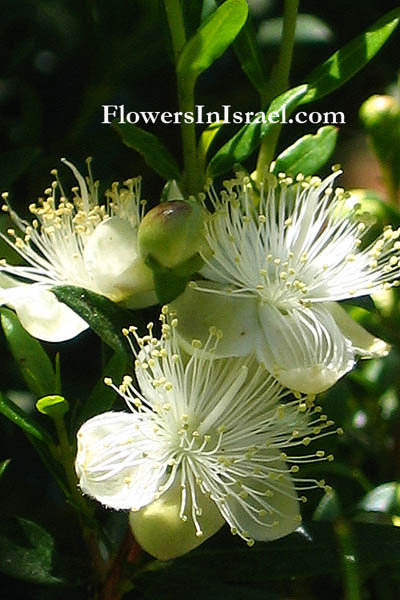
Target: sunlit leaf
308 154
347 61
248 138
211 40
104 316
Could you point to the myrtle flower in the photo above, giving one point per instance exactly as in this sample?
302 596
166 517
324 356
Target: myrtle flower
276 267
207 440
76 242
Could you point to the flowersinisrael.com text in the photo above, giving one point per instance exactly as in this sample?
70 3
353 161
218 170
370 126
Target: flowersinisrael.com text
225 114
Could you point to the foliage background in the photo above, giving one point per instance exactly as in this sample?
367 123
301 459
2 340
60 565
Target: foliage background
60 61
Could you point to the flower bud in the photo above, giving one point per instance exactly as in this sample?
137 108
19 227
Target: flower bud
171 232
163 533
378 110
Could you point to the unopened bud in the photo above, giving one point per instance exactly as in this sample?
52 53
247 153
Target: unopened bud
171 232
377 111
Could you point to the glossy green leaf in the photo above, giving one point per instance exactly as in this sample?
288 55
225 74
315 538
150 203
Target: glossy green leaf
27 552
150 147
3 466
104 316
15 414
313 550
102 397
308 154
206 139
53 406
211 40
345 63
248 138
32 360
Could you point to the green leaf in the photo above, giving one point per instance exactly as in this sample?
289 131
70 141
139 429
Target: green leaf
22 420
102 397
206 139
313 550
55 407
308 154
3 466
32 360
104 316
211 40
27 552
150 147
345 63
248 138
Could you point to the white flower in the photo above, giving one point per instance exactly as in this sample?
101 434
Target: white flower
206 440
76 242
277 266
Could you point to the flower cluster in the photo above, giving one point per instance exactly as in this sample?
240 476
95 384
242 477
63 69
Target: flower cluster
207 440
79 242
224 407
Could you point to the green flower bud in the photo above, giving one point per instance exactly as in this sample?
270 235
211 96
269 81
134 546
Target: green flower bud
171 233
378 111
54 407
160 530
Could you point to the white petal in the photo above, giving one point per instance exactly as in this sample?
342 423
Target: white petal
111 461
112 260
304 348
364 343
207 306
42 315
160 531
271 508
